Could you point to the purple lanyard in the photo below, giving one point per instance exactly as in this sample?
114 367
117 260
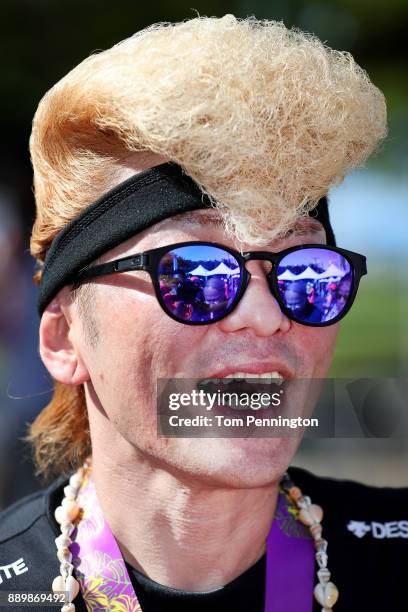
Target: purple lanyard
104 580
289 562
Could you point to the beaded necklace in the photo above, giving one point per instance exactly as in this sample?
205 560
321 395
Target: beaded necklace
67 515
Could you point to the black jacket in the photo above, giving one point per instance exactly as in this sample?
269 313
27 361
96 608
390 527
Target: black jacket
366 527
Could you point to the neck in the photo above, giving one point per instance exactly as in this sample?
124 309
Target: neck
181 533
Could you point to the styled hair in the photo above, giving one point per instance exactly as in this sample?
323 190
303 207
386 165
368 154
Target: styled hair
263 118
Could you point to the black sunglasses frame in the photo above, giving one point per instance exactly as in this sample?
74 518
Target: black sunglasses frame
149 261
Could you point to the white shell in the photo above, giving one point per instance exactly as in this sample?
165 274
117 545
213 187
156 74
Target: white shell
70 492
75 481
321 558
64 554
311 515
326 594
321 545
58 584
323 574
67 528
66 569
60 515
68 608
72 586
71 509
316 531
304 501
63 541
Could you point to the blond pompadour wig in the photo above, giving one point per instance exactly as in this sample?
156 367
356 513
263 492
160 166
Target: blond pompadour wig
265 119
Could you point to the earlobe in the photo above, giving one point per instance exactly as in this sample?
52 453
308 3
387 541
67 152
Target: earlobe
57 351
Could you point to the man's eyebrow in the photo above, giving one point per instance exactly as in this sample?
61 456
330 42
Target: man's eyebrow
199 216
302 226
306 225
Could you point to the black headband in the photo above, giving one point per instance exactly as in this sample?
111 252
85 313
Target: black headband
129 208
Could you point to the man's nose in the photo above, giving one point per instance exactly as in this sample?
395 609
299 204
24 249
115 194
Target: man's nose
258 310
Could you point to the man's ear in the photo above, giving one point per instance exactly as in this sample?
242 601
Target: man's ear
60 356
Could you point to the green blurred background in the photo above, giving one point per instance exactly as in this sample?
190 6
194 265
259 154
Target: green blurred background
43 39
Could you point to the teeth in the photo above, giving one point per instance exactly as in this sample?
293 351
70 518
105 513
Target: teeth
274 376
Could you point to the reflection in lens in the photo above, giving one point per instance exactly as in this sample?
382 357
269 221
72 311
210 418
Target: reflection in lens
315 284
199 282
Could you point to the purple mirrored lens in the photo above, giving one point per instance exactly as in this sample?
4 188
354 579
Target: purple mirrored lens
199 282
315 284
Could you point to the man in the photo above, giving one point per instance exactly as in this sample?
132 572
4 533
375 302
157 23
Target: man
296 298
214 299
342 291
212 135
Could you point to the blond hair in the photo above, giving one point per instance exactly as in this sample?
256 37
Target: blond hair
265 119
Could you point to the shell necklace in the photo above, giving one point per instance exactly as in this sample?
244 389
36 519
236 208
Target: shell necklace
311 515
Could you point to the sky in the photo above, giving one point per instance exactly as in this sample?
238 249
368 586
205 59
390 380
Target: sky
369 214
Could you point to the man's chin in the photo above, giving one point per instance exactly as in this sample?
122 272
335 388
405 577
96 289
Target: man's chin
238 462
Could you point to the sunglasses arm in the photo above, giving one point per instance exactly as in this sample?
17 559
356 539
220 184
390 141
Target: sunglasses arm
126 264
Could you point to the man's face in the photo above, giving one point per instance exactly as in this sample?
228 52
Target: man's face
214 295
138 344
343 292
295 297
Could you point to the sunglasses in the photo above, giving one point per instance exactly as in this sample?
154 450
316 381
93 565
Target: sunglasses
197 283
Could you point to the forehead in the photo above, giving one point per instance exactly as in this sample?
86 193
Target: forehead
215 218
203 224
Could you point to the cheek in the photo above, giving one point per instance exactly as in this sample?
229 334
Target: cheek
316 348
138 343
